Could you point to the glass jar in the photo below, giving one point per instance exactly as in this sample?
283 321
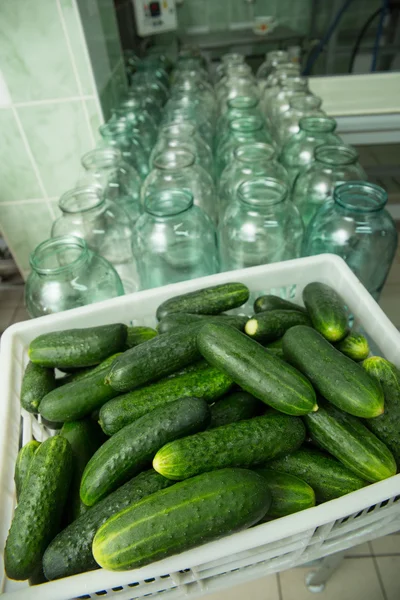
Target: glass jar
236 85
139 119
314 186
66 274
174 240
147 101
272 60
275 82
228 60
300 105
261 226
119 134
279 103
152 83
356 227
105 227
239 107
197 93
154 65
185 109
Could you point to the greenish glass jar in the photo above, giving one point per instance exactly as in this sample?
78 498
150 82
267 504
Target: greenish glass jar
356 227
270 64
139 119
300 106
238 108
119 134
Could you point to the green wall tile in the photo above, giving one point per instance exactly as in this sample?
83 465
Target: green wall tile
59 135
18 180
34 54
109 24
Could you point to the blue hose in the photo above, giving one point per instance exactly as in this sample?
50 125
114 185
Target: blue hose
379 32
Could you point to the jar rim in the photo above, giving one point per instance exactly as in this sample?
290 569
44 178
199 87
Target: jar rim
90 196
168 203
108 156
360 196
304 100
318 124
245 152
244 124
174 159
254 191
332 154
48 247
242 102
169 128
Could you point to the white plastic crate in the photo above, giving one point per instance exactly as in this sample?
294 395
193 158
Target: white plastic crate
281 544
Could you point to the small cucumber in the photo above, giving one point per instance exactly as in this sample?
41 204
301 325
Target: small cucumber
208 301
355 346
175 320
271 325
352 443
200 381
240 444
327 311
235 407
270 302
79 374
335 376
38 514
289 493
139 334
276 348
23 462
36 383
326 475
185 515
256 370
134 446
74 348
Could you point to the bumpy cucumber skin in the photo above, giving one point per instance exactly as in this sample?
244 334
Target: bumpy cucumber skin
134 446
272 324
351 443
174 320
202 381
199 510
241 444
38 514
327 311
75 348
335 376
355 346
71 551
271 302
325 474
80 374
256 370
208 301
139 334
36 383
289 493
235 407
22 464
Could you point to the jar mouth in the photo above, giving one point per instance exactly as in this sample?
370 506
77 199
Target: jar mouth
262 191
243 102
174 159
293 81
232 57
246 124
114 128
58 254
181 127
249 153
303 101
80 199
317 124
101 158
332 155
168 203
360 196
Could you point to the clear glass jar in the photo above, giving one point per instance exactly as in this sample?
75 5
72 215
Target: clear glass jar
275 81
185 109
235 85
66 274
147 100
152 83
139 119
119 134
228 60
262 226
314 186
273 58
300 105
239 107
356 227
279 103
197 93
154 65
105 227
174 240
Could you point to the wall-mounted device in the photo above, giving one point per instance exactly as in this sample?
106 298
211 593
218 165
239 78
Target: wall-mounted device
155 17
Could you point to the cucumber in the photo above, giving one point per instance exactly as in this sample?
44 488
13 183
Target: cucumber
208 301
355 346
346 438
289 493
327 476
235 407
256 370
77 399
201 381
271 325
154 359
335 376
38 514
134 446
79 374
276 348
241 444
71 550
185 515
387 426
139 334
327 311
23 462
36 383
74 348
270 302
175 320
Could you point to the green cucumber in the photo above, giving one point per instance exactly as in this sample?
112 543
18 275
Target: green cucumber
74 348
175 320
36 383
71 551
327 476
327 311
208 301
256 370
335 376
200 381
289 493
235 407
276 348
22 464
83 373
270 302
133 447
139 334
355 346
185 515
387 426
38 514
241 444
346 438
271 325
155 359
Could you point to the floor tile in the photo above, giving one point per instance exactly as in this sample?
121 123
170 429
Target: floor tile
389 302
11 297
21 315
360 550
389 568
260 589
389 544
6 316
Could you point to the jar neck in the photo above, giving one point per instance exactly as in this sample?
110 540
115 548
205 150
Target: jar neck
317 126
81 200
303 102
360 197
242 103
59 255
335 156
116 129
181 129
173 160
101 158
250 154
277 56
168 203
246 125
262 193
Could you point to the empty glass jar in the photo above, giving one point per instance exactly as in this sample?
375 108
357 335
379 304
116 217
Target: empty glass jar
66 274
138 118
272 60
356 227
300 105
119 134
238 108
174 240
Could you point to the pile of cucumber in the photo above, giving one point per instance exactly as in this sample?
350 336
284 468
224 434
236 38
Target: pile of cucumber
213 423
